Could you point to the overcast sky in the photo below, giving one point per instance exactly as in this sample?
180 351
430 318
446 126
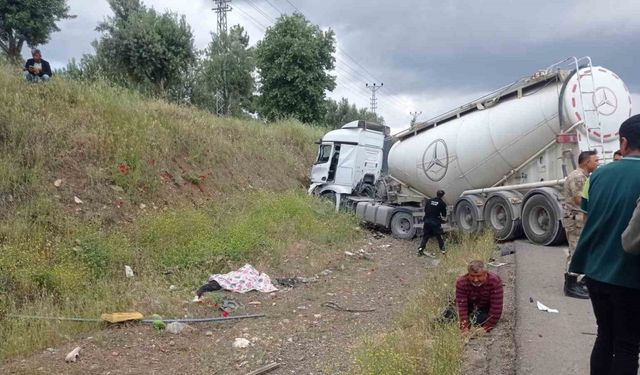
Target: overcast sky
431 55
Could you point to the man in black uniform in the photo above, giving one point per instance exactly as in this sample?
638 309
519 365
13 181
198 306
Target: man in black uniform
434 213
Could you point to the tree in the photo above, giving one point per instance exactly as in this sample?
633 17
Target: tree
29 21
340 113
293 60
227 69
144 49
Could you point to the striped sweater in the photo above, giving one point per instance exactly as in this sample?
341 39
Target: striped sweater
486 297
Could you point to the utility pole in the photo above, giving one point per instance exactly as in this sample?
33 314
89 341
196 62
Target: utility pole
221 8
414 117
374 101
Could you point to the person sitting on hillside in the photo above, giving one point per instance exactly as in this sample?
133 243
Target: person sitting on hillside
479 298
37 69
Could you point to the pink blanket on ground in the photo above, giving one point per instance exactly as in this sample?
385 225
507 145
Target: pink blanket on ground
245 279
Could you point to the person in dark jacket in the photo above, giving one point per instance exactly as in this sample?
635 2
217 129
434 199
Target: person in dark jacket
435 210
37 69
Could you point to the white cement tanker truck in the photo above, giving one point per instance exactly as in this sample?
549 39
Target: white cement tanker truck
501 159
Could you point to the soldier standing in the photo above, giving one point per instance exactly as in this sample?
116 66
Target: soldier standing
573 220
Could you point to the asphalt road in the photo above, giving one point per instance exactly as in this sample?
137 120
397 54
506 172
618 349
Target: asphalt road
549 343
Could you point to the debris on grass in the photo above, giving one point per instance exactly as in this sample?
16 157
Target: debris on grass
241 343
73 355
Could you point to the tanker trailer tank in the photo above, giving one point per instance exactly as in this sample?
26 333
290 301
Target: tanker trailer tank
508 140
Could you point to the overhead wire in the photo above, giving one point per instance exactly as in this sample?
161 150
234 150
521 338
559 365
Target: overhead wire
352 72
252 19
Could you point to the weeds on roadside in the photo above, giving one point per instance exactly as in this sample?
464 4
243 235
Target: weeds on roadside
419 343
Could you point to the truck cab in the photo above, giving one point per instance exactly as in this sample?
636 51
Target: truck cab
350 161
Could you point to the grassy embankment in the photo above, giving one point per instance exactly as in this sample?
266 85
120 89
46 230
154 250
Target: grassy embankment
419 344
94 178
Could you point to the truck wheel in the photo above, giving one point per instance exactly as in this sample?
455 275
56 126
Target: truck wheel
540 222
498 216
402 226
467 218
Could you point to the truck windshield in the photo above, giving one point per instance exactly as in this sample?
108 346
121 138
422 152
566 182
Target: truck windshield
324 154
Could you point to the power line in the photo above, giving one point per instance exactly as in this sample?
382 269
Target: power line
252 19
259 10
273 6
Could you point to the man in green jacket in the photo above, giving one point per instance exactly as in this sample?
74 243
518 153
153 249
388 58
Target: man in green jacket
612 275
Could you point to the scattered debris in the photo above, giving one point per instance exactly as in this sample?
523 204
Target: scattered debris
496 264
121 317
143 206
335 306
507 249
290 282
77 200
172 287
208 333
176 327
128 272
57 183
73 355
255 303
326 272
241 343
362 254
116 188
542 307
265 369
348 253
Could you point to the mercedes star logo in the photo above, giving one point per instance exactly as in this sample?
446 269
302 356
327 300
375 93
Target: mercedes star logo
435 160
605 101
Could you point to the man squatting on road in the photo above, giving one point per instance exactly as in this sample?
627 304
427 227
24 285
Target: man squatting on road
435 210
613 275
479 298
573 220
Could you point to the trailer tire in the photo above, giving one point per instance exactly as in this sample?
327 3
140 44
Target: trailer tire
402 226
541 222
498 216
466 217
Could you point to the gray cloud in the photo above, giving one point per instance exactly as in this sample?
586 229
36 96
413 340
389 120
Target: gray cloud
431 55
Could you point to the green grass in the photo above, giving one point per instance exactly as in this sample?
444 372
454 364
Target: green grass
418 344
173 192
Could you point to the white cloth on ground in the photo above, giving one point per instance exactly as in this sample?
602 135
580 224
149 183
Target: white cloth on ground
244 280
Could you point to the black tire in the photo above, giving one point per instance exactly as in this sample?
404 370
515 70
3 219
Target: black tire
498 216
402 226
367 190
540 222
329 196
467 218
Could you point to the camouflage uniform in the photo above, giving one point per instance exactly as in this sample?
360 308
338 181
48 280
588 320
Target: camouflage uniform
573 220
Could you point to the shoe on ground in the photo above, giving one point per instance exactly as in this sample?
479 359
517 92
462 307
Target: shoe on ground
573 289
420 252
